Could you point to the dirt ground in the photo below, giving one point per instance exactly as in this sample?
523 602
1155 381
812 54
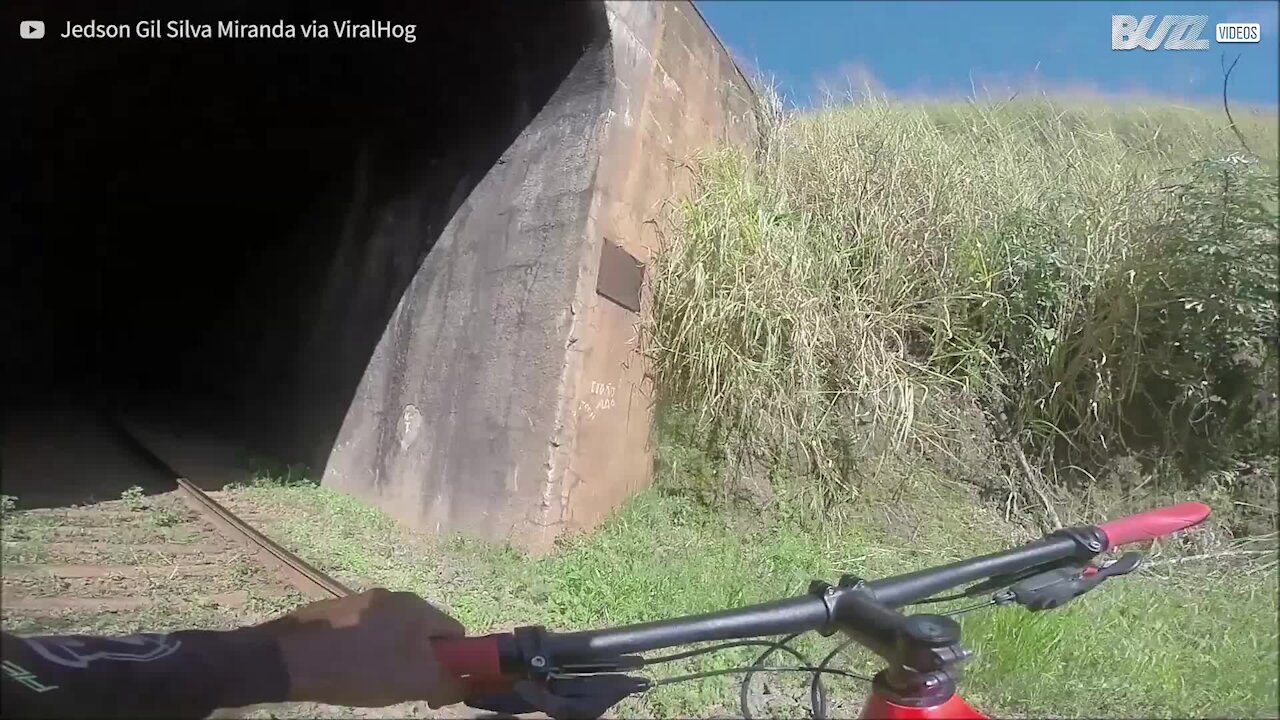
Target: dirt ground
120 566
147 563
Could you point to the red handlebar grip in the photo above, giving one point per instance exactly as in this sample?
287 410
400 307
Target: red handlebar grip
473 657
1153 523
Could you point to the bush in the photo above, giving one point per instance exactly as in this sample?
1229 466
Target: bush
269 474
1094 283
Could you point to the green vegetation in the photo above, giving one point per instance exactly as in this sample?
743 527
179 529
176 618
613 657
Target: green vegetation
24 541
1146 645
897 336
900 335
264 474
165 518
1072 309
886 283
134 498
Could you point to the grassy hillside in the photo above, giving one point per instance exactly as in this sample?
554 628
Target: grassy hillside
1070 308
1063 303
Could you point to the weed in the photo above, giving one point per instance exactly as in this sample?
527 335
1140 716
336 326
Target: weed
273 475
164 517
134 499
8 504
159 516
1084 282
274 605
26 536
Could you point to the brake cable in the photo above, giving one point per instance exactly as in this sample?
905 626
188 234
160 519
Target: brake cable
943 598
817 692
970 608
819 710
710 649
783 669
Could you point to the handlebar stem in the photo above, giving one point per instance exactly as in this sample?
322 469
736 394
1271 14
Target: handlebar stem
922 643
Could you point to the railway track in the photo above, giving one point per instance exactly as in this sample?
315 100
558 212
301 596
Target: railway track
171 558
308 580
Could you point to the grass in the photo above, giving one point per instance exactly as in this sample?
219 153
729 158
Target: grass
886 279
1202 642
26 539
1142 646
1071 305
1137 648
885 304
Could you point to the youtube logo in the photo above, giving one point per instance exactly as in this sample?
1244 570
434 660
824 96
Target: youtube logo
31 29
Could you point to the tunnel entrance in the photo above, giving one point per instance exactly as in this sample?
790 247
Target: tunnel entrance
209 238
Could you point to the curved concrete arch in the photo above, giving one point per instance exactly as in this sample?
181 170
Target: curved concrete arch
414 267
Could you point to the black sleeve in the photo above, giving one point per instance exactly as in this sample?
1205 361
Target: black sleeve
185 674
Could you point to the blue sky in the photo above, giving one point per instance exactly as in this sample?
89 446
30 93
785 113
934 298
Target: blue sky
917 48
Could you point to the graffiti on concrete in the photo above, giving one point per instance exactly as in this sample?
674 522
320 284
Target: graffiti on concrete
604 395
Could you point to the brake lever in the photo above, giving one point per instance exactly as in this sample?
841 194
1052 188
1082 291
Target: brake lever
1055 588
1122 565
584 697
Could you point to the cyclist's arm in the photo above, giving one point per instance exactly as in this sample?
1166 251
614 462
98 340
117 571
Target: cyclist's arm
369 650
183 674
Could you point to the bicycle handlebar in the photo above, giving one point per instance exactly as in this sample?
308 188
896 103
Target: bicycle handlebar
491 657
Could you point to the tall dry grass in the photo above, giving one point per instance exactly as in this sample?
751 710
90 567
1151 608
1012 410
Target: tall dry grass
1087 282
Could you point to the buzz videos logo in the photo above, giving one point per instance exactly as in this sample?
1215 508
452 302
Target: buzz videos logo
1176 32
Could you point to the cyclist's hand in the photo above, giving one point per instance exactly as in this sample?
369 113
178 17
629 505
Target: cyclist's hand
367 650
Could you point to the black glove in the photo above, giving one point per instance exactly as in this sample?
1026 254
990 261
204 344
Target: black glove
571 698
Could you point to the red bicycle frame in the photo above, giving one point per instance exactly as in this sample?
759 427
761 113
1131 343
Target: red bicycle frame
955 708
583 673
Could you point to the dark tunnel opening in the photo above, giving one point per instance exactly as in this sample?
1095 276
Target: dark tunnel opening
210 237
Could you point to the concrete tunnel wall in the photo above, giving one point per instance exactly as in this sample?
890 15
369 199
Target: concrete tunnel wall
380 260
506 398
454 408
678 93
213 236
